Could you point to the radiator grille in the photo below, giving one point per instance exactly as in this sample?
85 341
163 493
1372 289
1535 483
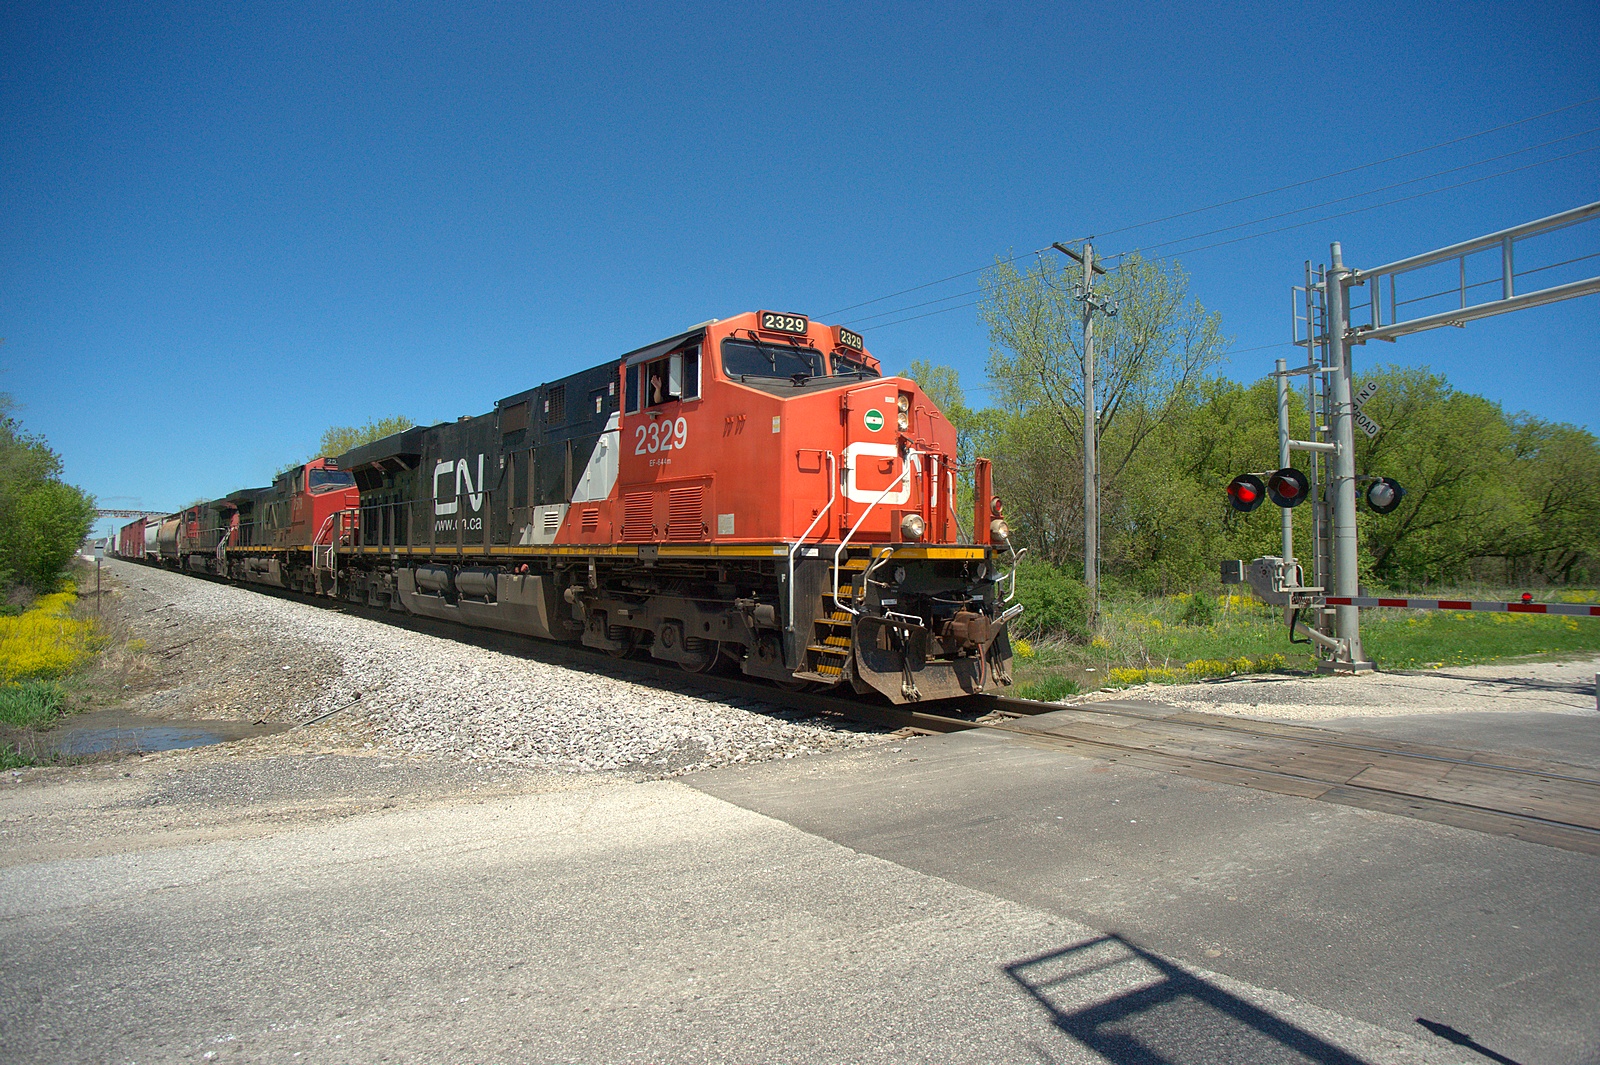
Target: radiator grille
552 521
591 519
684 519
636 512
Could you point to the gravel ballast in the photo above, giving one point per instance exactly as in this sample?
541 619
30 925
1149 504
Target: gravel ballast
286 660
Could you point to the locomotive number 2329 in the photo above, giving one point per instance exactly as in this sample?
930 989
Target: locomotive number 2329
660 436
785 323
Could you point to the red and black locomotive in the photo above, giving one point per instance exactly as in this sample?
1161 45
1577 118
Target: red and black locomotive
750 492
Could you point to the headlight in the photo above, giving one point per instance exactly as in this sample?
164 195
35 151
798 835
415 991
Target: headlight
912 527
999 530
903 421
904 402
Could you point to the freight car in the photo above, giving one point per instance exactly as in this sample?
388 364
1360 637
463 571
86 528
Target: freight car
749 493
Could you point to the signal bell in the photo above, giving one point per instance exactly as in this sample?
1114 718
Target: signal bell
1384 494
1288 487
1245 492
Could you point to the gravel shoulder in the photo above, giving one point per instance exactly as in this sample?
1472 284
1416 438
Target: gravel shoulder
222 652
438 721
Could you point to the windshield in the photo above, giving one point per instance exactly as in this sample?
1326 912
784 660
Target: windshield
745 358
328 480
844 364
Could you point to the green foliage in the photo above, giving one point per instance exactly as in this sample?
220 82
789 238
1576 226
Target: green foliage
1054 603
31 703
943 386
1487 496
1051 688
1201 609
337 439
1151 361
1144 639
42 520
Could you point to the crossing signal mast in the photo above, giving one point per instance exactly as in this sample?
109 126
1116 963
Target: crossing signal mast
1332 597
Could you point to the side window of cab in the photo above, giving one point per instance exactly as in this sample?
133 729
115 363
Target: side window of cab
662 381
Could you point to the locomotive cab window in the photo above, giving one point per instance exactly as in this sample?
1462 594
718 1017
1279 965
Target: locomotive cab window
327 480
665 380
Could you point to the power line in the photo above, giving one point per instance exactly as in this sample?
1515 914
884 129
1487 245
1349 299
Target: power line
930 284
1368 192
1239 225
1351 170
1209 207
1285 229
1375 206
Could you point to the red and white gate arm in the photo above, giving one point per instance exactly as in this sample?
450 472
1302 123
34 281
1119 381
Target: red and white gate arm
1581 610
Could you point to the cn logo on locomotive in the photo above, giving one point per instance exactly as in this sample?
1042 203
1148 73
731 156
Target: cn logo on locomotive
463 475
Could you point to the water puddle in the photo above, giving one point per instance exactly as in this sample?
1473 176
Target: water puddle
117 732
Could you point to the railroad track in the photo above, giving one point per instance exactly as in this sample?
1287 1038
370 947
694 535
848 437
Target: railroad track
1553 804
1549 803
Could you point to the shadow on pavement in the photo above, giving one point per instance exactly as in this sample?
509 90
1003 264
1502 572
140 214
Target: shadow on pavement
1525 684
1462 1039
1135 1008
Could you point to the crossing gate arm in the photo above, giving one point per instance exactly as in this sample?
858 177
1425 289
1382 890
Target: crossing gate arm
1578 610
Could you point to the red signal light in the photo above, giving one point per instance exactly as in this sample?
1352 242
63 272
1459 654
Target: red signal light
1245 492
1288 487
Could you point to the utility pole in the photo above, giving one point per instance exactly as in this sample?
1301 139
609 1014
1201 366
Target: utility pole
1091 417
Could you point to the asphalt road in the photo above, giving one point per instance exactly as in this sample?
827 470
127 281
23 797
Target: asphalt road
1378 918
256 904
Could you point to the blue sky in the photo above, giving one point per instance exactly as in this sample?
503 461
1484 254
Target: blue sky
224 228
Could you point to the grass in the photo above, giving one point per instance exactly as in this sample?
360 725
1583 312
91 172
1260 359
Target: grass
1164 641
31 703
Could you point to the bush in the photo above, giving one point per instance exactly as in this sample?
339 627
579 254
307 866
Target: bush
1054 604
42 520
47 523
31 703
1201 609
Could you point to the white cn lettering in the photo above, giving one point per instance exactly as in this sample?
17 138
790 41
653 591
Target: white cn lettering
443 469
464 477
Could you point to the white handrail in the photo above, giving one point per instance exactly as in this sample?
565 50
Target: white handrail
833 494
905 475
1016 564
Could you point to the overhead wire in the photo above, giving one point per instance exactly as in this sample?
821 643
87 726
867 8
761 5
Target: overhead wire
1350 170
1240 225
1358 195
1285 229
1226 203
1376 206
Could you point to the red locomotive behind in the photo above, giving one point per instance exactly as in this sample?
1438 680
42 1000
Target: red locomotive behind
750 492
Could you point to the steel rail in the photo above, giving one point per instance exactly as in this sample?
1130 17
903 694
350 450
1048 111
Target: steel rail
1228 726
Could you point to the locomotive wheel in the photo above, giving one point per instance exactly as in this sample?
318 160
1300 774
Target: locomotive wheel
624 651
793 684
